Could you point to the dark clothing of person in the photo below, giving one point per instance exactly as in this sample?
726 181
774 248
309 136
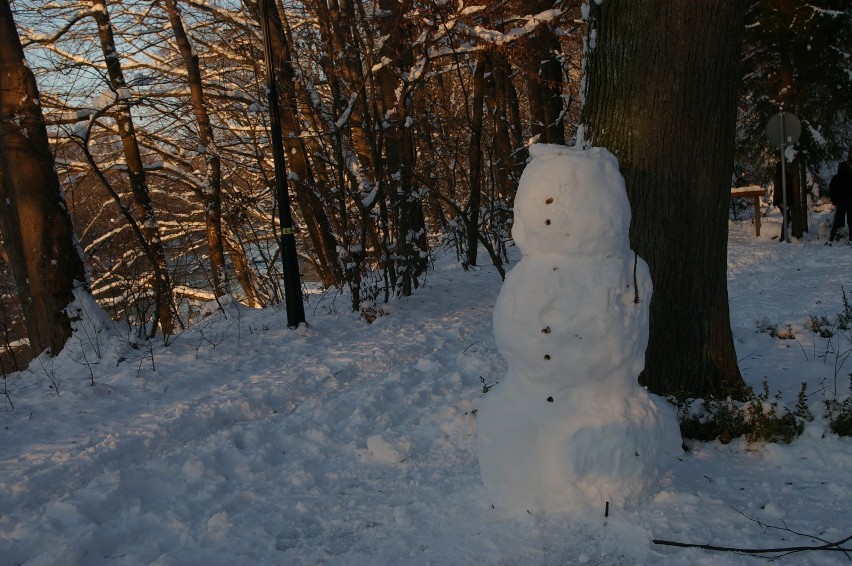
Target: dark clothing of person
840 193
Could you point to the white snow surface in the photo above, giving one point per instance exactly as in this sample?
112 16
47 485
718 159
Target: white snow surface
569 428
244 442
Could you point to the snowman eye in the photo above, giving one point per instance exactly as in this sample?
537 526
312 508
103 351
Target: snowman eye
547 221
549 201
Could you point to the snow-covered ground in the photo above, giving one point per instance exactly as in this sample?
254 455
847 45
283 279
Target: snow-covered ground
243 442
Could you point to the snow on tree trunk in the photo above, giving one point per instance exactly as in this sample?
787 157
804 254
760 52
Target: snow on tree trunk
569 428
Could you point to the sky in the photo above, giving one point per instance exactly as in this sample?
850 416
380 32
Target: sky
342 442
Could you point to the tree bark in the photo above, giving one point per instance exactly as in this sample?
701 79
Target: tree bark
34 222
505 163
544 87
136 172
301 173
662 87
474 155
399 145
212 191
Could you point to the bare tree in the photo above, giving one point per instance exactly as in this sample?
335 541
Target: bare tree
475 159
212 187
385 153
145 213
401 68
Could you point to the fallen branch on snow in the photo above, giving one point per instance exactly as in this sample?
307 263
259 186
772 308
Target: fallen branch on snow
783 550
766 552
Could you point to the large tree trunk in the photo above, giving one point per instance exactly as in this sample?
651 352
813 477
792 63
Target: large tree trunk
34 222
662 97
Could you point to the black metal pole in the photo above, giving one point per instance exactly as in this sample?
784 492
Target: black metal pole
785 237
287 237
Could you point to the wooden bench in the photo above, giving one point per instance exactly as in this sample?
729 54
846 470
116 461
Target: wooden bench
755 192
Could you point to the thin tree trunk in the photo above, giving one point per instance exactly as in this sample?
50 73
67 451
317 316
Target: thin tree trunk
498 103
242 270
212 190
790 94
356 148
349 84
545 87
136 172
649 102
301 173
475 160
34 223
399 147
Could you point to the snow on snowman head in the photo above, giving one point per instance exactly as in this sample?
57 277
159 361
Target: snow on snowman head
571 202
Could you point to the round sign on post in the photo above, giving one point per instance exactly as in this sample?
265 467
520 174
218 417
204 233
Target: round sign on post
783 129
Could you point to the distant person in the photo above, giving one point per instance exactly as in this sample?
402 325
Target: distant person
777 194
840 193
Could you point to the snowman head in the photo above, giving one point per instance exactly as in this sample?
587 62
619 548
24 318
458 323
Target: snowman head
571 201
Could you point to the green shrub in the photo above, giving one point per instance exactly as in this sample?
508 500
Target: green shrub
839 413
761 418
844 319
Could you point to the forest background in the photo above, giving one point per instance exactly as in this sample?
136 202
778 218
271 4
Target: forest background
405 128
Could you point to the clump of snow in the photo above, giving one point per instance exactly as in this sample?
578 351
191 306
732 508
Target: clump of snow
569 427
390 447
217 304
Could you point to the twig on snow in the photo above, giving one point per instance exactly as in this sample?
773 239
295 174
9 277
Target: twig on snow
767 552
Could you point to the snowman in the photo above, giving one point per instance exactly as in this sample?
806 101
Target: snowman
569 427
